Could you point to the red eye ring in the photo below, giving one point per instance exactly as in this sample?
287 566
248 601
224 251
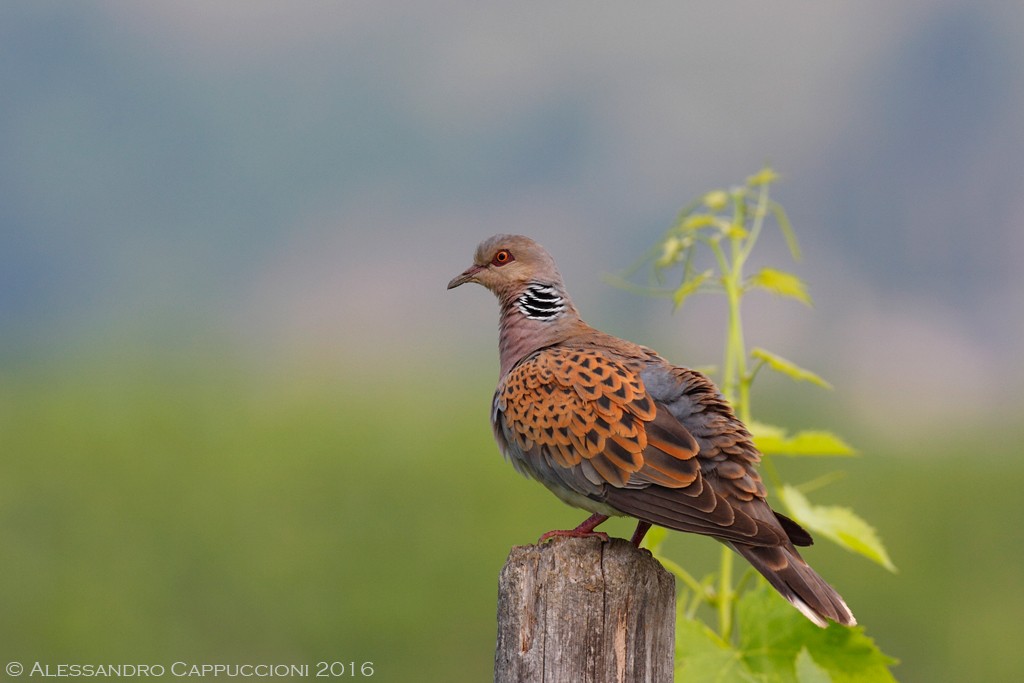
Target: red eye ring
502 257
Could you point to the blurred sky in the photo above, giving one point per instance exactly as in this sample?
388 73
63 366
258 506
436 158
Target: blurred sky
304 177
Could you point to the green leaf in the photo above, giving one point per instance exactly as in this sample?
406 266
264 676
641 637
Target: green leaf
787 229
808 671
689 287
737 232
789 368
703 657
839 524
697 221
771 632
670 250
781 283
765 176
761 430
809 443
814 443
773 635
716 200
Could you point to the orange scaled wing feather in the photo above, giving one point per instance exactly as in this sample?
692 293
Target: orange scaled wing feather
580 404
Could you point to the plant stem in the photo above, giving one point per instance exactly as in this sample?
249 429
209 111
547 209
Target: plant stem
693 584
760 212
736 380
735 376
725 594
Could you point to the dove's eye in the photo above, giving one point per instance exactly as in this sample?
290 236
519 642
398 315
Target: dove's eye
502 257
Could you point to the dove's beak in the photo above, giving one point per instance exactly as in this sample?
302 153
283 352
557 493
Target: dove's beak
469 275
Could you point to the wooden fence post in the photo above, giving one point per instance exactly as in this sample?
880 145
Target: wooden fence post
578 609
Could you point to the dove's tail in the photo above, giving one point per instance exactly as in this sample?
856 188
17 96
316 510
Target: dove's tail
787 572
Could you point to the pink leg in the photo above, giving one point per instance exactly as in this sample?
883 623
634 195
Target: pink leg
584 530
641 531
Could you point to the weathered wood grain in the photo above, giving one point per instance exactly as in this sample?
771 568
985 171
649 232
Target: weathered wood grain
578 609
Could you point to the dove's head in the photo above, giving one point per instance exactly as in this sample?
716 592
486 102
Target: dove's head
535 310
508 264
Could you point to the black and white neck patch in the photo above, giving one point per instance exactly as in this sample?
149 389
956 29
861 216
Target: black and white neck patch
541 302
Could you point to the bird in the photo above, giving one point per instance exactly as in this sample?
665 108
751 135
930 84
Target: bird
612 427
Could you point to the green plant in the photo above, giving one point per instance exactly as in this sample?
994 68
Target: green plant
758 636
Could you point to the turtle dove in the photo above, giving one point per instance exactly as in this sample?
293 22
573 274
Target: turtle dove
612 427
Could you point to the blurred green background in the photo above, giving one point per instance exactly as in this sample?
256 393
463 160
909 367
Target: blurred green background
242 421
199 511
